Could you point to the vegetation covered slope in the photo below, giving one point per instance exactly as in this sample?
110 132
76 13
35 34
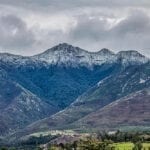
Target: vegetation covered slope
130 111
18 106
127 81
58 76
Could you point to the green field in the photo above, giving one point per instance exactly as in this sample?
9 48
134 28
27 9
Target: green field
128 146
123 146
146 146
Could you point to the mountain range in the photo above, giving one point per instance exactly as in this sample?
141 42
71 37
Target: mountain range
67 87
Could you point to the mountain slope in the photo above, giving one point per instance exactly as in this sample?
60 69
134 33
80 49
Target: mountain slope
129 111
127 81
18 106
57 77
62 73
54 85
70 73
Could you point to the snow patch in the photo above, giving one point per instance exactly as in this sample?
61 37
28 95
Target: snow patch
142 81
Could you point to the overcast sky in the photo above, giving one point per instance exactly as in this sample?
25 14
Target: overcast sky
29 27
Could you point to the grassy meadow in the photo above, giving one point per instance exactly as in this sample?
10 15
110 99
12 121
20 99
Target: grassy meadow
128 146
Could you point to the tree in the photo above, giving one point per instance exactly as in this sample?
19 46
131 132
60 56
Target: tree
75 145
4 148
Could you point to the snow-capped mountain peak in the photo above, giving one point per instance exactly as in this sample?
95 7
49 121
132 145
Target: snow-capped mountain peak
105 51
131 56
73 56
68 55
63 47
129 53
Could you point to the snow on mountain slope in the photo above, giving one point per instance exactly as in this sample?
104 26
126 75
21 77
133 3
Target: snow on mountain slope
18 60
69 55
132 57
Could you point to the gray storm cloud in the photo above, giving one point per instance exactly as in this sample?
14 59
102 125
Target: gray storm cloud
130 33
28 27
65 4
14 33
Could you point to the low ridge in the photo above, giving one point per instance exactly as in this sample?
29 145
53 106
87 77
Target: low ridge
129 112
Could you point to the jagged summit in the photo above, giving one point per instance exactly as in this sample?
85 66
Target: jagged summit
130 53
132 56
65 47
68 55
105 51
68 48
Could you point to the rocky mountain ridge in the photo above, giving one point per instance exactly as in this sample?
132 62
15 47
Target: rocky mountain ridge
69 55
66 83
